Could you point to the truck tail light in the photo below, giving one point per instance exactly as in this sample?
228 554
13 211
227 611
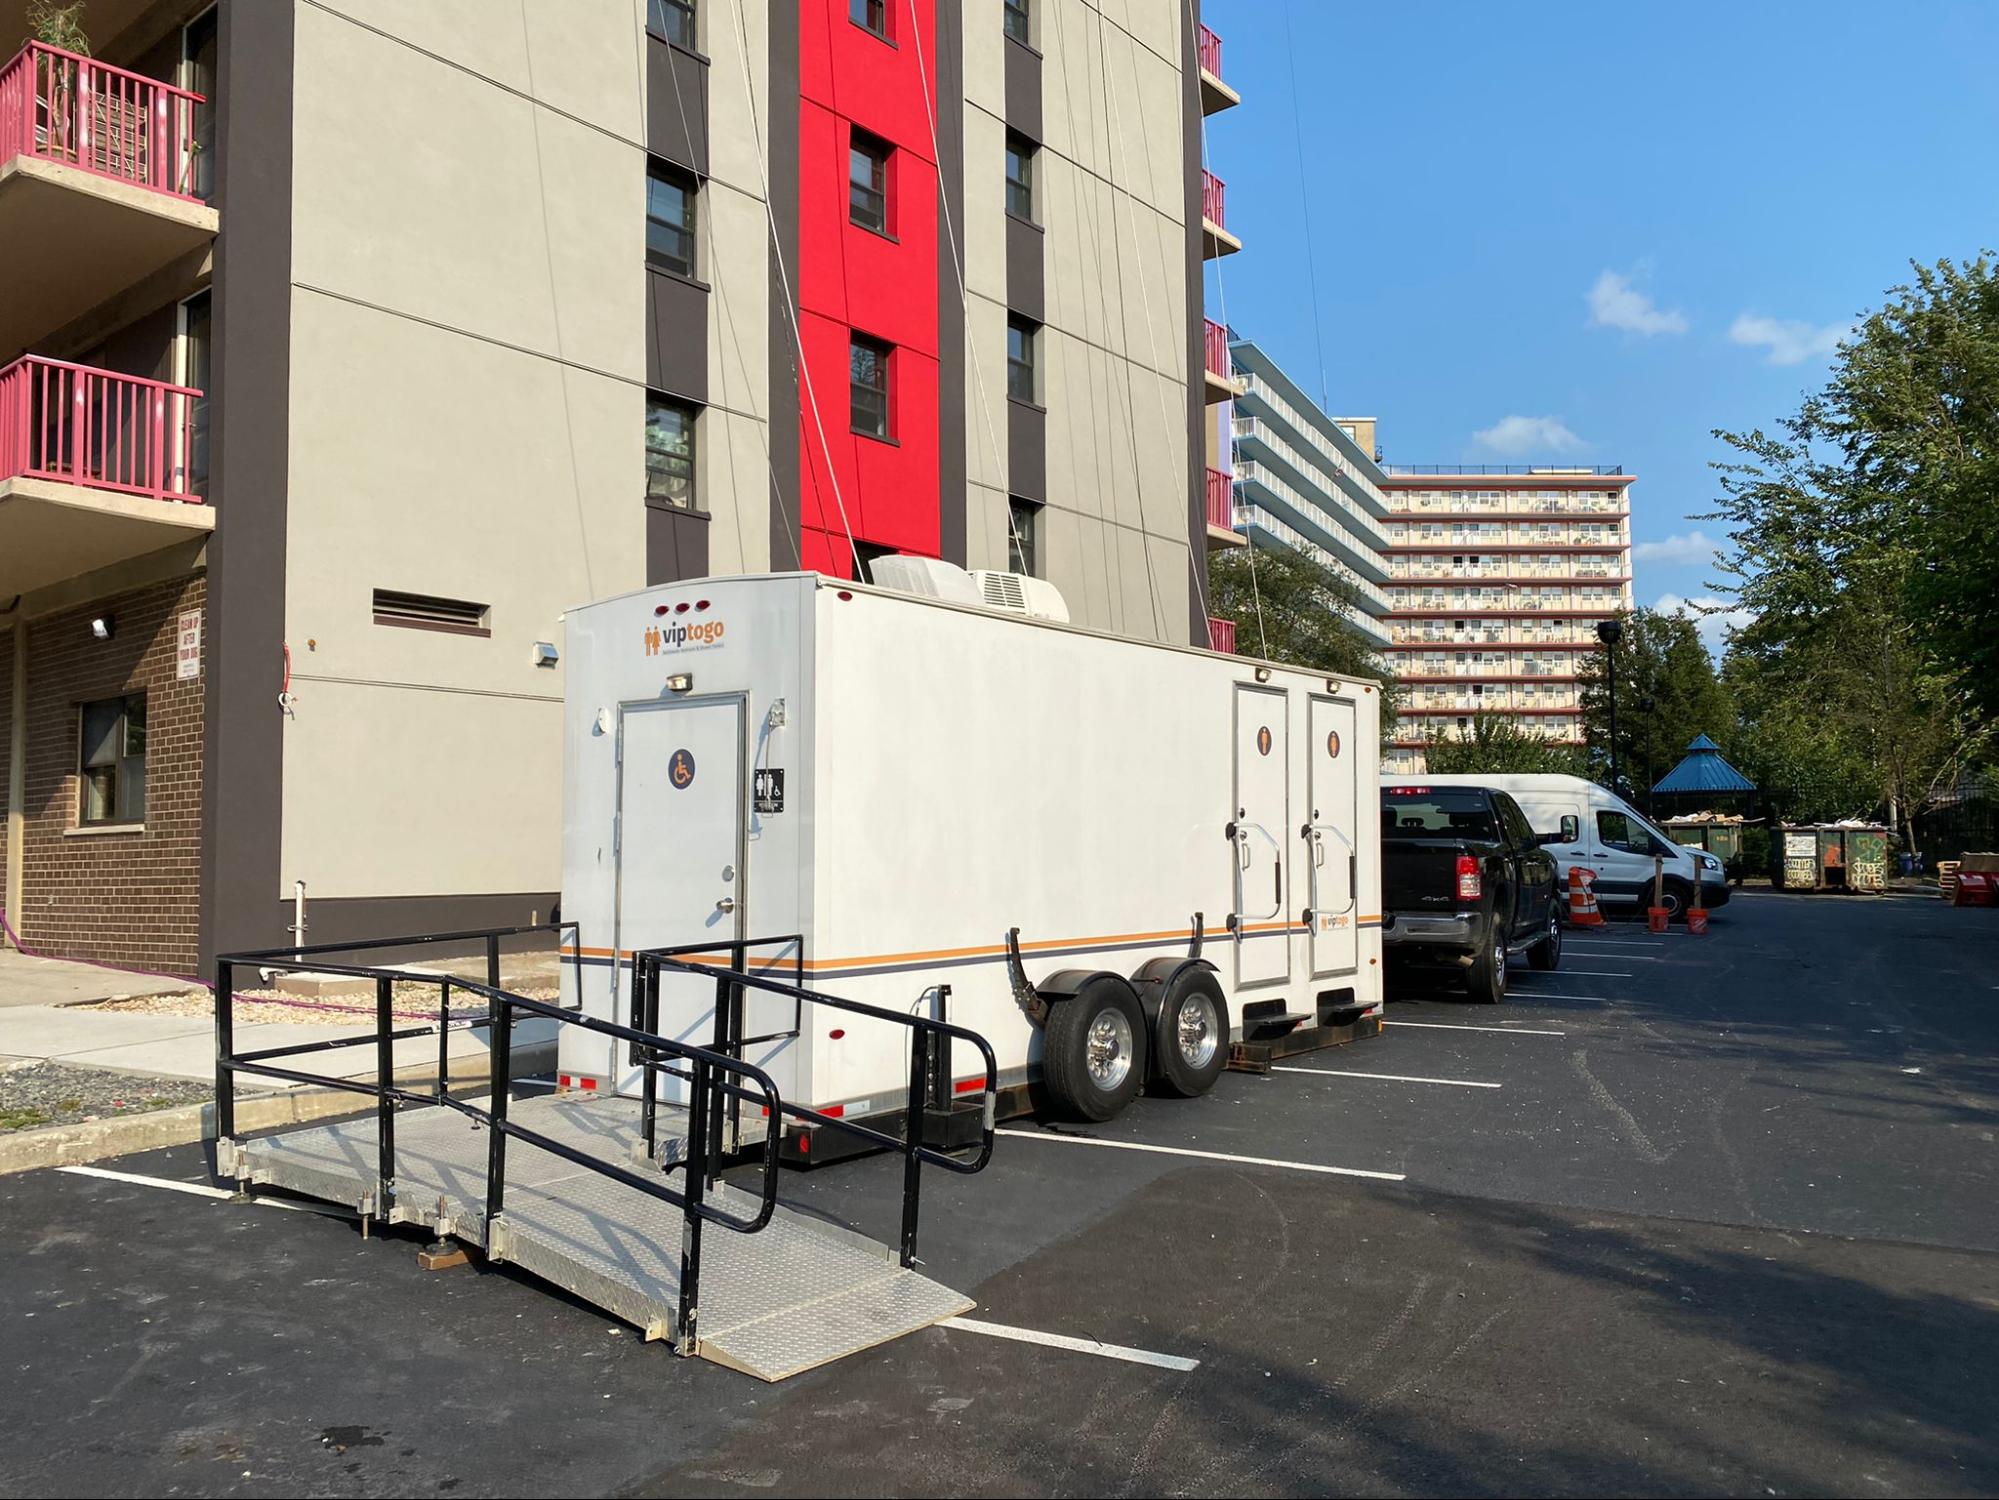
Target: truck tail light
1470 886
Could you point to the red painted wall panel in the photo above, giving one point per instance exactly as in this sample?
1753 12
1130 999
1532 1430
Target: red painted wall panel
851 279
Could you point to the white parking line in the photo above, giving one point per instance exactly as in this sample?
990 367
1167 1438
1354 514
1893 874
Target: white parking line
1630 958
1246 1161
1080 1346
1502 1030
1461 1083
1561 995
203 1190
1583 973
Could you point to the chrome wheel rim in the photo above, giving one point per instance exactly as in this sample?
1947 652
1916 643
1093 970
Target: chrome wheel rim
1499 961
1109 1049
1197 1031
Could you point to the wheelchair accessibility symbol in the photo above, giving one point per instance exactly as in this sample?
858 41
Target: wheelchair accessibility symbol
680 770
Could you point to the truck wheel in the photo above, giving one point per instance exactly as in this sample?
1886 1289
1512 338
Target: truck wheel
1485 980
1191 1041
1547 954
1094 1058
1676 898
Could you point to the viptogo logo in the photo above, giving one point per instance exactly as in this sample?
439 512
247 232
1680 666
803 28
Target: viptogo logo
683 635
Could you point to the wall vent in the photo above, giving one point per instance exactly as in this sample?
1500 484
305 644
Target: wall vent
428 612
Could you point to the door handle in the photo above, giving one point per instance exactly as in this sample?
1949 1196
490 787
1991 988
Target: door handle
726 904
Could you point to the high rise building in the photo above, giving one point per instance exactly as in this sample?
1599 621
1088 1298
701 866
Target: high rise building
345 343
1500 576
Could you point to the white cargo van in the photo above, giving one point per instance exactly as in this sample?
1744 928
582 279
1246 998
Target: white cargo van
1604 833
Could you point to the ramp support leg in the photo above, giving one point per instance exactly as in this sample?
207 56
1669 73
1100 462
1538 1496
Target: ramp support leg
912 1163
696 1186
385 1104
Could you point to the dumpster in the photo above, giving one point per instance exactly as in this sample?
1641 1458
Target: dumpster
1797 862
1867 859
1832 857
1718 833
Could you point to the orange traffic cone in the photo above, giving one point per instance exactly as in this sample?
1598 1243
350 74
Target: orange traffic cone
1583 910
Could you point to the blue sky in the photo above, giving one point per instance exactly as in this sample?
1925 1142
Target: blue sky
1592 233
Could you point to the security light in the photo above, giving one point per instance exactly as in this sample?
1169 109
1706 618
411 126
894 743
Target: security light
103 627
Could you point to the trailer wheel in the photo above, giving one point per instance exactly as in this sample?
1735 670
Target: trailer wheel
1191 1039
1094 1059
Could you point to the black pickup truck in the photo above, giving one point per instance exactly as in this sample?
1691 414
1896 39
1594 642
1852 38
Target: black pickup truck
1466 882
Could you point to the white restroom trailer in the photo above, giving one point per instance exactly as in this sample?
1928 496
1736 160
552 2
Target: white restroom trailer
1186 843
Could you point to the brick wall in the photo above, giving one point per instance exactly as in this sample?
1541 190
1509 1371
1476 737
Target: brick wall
123 897
6 741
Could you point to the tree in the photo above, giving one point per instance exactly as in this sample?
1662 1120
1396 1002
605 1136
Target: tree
1294 609
1493 745
1667 693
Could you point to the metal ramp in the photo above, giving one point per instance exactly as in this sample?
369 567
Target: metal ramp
793 1296
609 1197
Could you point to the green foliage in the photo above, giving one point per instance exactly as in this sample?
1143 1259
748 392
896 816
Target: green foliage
1493 745
1293 609
1667 693
58 25
1862 536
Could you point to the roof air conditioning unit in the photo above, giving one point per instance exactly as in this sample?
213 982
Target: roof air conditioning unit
927 578
1020 594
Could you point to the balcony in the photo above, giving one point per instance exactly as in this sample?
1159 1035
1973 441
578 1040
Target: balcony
1221 381
98 186
1216 96
1220 504
1221 636
1215 238
95 469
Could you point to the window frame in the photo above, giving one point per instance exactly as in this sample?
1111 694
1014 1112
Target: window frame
1029 332
880 9
1019 146
689 15
668 174
865 143
885 361
661 496
122 813
1023 542
1017 21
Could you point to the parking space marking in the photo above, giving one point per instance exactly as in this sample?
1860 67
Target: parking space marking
1456 1083
1580 973
1562 995
1241 1161
203 1190
1465 1026
1080 1346
1630 958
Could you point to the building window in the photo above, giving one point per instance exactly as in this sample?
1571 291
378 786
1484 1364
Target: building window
867 181
870 15
868 375
670 452
1020 342
1023 536
1020 177
1017 21
196 373
670 218
673 20
111 762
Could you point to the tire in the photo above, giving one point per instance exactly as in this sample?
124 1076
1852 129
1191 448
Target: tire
1094 1049
1485 980
1677 897
1190 1043
1547 954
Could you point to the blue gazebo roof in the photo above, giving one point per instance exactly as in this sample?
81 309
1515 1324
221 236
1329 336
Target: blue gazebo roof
1703 770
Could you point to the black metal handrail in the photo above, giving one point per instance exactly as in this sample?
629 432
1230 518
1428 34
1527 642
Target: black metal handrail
729 984
700 1068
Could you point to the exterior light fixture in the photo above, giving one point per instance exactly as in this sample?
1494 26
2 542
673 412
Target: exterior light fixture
103 627
680 682
1263 674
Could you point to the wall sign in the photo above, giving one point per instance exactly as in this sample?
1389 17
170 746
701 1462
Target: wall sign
187 652
680 770
1333 743
770 790
1263 740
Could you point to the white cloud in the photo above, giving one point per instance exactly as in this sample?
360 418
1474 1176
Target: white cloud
1715 628
1522 437
1788 341
1615 303
1694 547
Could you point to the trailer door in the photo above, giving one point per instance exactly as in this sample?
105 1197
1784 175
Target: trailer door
1332 833
679 852
1259 846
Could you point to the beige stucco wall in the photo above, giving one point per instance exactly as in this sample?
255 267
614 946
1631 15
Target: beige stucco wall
1114 360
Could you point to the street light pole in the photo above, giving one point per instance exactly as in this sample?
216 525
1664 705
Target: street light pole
1610 632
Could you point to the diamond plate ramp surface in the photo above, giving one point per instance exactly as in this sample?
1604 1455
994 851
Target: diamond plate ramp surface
790 1297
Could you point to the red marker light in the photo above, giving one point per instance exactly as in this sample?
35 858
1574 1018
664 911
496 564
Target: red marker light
835 1034
843 594
680 608
700 603
658 610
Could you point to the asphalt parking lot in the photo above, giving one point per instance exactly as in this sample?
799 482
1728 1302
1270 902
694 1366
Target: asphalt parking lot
1689 1216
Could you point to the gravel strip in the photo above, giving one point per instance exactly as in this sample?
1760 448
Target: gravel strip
414 1001
46 1093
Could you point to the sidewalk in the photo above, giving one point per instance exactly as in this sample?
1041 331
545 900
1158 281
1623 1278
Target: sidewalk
55 981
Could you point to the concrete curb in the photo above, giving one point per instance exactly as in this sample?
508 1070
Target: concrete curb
97 1140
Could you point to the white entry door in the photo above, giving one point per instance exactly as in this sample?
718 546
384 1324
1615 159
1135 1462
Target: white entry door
680 844
1259 846
1331 833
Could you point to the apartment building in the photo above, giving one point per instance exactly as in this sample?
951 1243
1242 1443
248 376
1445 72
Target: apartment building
1304 481
346 343
1499 578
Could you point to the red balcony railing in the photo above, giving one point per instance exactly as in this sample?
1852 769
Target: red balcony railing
61 107
1213 195
1221 635
1220 493
1209 48
1217 348
76 425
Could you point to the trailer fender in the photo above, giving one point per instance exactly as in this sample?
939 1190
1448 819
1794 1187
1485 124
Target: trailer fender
1153 978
